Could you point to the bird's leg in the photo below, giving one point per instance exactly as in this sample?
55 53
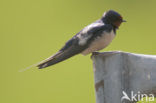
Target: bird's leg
95 53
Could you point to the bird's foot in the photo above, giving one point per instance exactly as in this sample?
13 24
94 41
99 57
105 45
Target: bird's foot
95 53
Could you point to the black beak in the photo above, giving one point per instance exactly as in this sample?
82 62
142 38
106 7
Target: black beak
124 21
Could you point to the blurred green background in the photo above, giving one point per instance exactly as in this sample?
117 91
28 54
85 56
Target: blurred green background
32 30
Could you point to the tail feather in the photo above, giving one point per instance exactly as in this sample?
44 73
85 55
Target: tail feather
58 57
70 49
49 61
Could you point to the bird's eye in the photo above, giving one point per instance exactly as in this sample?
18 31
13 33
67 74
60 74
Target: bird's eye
120 17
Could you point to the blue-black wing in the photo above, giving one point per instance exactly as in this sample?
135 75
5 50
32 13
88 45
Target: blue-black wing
72 47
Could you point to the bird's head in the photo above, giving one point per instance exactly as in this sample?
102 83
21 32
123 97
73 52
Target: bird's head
113 18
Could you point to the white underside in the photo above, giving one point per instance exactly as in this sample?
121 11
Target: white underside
84 36
100 42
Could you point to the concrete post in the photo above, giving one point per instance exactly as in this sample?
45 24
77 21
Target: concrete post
122 77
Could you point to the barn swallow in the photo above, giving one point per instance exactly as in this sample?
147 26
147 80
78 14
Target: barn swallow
93 37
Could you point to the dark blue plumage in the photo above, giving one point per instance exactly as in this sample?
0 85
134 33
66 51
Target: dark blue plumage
93 37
